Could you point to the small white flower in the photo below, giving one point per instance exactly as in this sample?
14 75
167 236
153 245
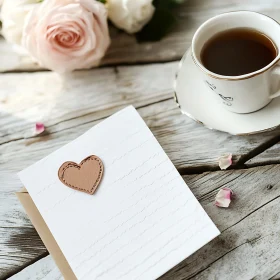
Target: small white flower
130 15
13 15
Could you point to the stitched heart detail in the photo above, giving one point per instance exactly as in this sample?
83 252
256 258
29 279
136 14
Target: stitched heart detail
84 177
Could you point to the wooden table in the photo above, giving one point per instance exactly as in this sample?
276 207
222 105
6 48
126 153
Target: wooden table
142 75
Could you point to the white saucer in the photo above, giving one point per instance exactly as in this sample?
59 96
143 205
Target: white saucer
196 101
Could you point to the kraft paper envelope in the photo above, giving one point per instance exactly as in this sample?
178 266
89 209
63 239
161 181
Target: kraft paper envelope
140 222
45 234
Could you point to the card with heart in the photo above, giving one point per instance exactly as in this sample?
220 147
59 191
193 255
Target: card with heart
142 218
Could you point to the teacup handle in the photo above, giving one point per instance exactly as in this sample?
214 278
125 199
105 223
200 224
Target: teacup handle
276 71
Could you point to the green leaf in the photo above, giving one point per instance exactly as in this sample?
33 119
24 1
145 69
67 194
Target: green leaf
161 23
102 1
158 26
178 1
167 3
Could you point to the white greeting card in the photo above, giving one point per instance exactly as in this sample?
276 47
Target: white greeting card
141 221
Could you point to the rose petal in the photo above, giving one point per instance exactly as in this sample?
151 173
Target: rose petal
39 128
223 197
225 161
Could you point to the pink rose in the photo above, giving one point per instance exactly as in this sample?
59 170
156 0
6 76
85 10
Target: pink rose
64 35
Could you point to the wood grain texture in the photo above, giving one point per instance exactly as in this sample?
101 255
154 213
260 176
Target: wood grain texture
248 231
126 50
27 98
19 246
276 277
249 246
70 106
269 156
83 96
45 269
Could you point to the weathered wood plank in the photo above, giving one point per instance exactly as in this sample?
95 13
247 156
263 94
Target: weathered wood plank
84 98
104 91
43 269
172 129
125 49
276 277
180 137
249 246
19 245
69 107
269 156
64 101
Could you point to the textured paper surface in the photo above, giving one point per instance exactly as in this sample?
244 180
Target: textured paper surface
141 221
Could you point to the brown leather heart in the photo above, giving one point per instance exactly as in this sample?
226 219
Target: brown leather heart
84 177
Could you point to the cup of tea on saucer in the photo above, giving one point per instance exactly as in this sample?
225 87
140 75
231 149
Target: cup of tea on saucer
233 66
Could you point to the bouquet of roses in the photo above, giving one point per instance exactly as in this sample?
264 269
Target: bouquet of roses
63 35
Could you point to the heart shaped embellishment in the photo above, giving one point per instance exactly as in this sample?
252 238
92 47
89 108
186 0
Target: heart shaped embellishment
84 177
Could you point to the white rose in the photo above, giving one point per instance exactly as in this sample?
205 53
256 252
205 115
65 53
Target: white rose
13 14
130 15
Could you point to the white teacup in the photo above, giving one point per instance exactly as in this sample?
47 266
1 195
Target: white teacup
246 93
